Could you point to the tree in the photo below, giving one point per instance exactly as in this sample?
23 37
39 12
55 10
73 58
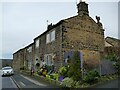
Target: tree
74 67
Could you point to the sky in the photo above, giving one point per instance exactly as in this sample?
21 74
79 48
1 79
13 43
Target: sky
22 21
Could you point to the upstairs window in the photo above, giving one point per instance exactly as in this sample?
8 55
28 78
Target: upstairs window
50 36
29 49
37 43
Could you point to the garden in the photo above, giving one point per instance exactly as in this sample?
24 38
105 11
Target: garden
71 75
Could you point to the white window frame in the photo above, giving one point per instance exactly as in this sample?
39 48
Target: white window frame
37 43
50 36
29 49
48 59
53 35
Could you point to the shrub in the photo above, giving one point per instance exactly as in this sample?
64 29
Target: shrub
63 71
74 68
77 84
91 76
48 77
68 82
54 76
116 59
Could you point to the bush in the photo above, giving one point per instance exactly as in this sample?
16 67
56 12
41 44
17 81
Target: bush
74 68
116 59
91 76
48 77
63 71
68 82
54 76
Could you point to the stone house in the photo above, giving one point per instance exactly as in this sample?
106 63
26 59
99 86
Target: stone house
54 46
29 56
77 33
18 60
24 58
112 46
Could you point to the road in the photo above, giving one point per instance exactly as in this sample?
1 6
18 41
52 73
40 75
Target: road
26 82
7 82
19 81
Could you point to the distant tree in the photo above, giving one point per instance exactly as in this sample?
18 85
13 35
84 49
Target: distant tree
6 65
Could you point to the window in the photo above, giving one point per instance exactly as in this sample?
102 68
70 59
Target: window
53 35
50 36
37 43
48 59
29 49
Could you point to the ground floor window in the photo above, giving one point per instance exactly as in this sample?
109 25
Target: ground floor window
49 59
29 65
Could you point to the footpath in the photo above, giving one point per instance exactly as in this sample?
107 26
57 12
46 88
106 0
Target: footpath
35 77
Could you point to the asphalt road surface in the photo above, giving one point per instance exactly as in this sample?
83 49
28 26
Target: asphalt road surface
7 82
26 82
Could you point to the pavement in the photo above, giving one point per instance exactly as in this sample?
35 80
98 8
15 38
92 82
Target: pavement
109 84
25 80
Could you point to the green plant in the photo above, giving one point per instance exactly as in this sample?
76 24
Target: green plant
68 82
78 84
48 77
54 76
91 76
116 60
74 68
63 71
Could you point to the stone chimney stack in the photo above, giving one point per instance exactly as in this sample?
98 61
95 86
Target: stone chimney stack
82 8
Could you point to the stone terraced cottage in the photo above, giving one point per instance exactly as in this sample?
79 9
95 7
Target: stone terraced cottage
77 33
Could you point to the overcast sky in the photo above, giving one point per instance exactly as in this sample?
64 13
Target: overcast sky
23 21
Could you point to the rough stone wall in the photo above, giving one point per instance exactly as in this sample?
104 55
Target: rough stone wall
18 60
111 50
36 53
83 33
21 58
15 61
113 47
113 41
53 47
29 56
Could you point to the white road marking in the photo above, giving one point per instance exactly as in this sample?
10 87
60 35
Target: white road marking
13 83
35 82
22 83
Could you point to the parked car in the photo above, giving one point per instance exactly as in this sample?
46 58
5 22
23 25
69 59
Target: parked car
7 71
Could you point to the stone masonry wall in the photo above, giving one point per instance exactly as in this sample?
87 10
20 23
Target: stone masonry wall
83 33
53 47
